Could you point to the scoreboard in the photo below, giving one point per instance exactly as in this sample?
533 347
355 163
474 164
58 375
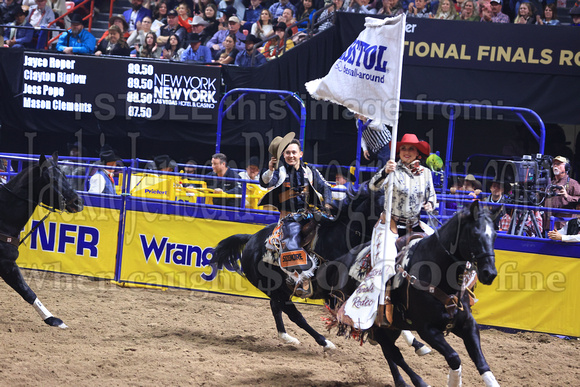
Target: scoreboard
108 86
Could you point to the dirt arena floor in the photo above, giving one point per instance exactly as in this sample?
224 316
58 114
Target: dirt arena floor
142 337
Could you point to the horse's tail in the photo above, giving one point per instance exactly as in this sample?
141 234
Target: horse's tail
229 251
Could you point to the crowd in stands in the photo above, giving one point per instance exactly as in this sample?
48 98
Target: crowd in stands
240 32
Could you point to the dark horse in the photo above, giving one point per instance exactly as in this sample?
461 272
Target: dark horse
335 238
44 184
437 262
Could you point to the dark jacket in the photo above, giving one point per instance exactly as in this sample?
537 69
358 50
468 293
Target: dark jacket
228 186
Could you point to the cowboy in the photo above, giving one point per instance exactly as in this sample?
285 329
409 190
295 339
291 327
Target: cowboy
102 181
298 191
496 196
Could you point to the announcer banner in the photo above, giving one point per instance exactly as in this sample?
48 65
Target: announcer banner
532 292
84 243
174 251
145 89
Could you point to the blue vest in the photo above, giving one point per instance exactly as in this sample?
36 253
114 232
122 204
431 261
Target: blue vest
109 186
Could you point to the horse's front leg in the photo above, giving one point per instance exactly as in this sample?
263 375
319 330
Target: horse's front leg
469 332
276 307
436 340
11 274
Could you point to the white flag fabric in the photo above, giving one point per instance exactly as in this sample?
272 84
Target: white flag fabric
367 77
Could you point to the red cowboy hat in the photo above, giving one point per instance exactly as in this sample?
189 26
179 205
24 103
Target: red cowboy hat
411 139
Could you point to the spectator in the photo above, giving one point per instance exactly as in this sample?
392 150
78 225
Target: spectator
361 6
496 15
341 180
190 166
196 52
288 19
375 140
277 9
570 232
197 26
102 181
172 28
59 9
40 15
390 8
184 17
575 14
202 5
134 15
76 40
216 42
73 171
550 16
524 217
326 19
114 44
485 13
418 9
445 11
150 49
210 16
8 10
566 189
226 13
159 16
244 58
164 163
119 21
305 14
252 170
229 53
468 11
237 4
525 14
137 37
220 169
19 37
173 48
471 185
263 28
252 14
278 45
497 196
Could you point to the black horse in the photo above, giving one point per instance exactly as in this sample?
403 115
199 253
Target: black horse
431 302
44 184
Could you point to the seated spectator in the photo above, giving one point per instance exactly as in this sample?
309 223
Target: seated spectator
472 186
184 16
244 58
114 44
237 4
485 13
526 218
216 42
220 168
76 40
575 14
172 28
210 16
150 49
550 16
252 170
102 181
361 6
119 21
278 45
74 172
134 15
341 180
40 15
8 10
197 26
445 11
19 37
525 14
229 53
390 8
305 14
252 14
288 19
497 16
196 52
419 9
159 16
468 11
277 9
570 232
263 28
326 19
164 163
190 166
172 49
497 196
137 38
226 13
59 9
202 6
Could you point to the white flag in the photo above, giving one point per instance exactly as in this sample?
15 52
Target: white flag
367 77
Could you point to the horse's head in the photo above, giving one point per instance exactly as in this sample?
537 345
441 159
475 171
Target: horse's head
480 239
56 190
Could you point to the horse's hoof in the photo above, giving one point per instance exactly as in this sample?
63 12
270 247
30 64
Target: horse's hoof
424 350
287 339
329 346
55 322
489 379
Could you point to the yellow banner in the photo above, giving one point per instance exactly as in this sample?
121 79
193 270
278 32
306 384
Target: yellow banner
84 243
532 292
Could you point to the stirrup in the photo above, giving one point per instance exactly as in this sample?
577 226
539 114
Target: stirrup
304 289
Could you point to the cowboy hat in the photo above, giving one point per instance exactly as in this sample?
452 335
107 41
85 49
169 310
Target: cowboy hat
411 139
121 18
476 183
278 145
198 21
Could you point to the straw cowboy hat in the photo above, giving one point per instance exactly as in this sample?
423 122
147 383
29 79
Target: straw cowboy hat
411 139
476 183
278 145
